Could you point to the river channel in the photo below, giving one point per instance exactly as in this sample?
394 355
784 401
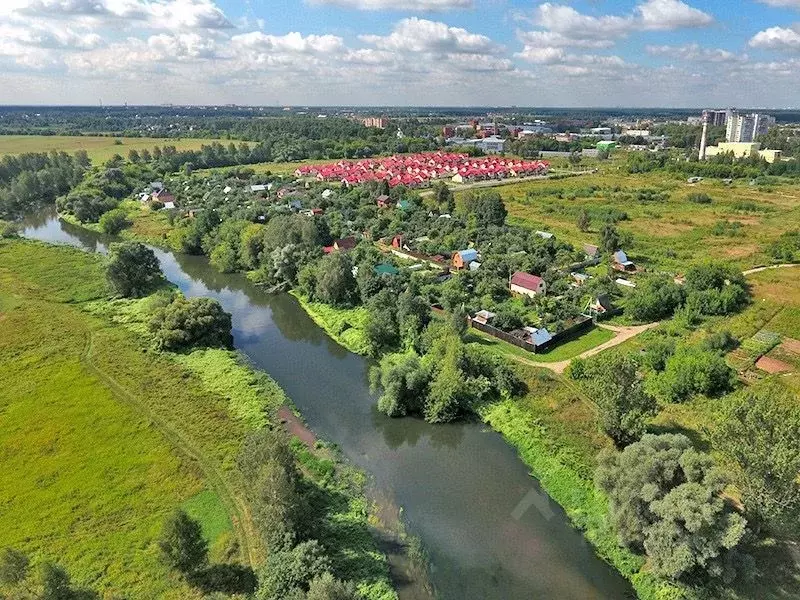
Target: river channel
490 531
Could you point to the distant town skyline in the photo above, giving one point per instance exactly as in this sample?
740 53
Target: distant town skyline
659 53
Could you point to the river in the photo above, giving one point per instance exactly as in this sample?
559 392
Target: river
490 531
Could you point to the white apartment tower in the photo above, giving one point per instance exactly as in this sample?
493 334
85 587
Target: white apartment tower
746 128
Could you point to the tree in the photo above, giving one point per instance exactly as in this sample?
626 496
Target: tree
655 297
614 384
133 269
182 544
760 430
445 200
288 569
268 466
187 323
583 221
404 384
114 221
14 567
609 238
336 284
381 328
665 499
716 288
327 587
488 209
692 370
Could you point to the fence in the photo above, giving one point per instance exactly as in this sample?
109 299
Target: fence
581 325
500 334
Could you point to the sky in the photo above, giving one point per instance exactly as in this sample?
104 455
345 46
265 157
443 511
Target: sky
598 53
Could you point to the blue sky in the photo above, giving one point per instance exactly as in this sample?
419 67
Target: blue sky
402 52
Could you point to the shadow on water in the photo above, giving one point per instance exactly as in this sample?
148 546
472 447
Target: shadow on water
487 527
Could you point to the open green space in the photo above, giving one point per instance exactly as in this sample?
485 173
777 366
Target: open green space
103 438
666 229
99 148
85 479
570 348
345 325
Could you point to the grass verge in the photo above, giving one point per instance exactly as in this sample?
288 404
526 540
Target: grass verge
344 325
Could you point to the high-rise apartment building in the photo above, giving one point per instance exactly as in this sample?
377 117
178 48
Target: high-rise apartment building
746 128
718 118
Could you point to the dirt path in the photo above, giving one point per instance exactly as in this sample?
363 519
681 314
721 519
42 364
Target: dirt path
623 334
236 505
759 269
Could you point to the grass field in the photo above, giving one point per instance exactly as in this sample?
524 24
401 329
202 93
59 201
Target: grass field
99 148
102 438
668 233
84 478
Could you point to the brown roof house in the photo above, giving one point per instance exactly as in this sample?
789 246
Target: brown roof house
527 284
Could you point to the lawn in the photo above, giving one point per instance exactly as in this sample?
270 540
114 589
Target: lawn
99 148
563 351
84 478
669 232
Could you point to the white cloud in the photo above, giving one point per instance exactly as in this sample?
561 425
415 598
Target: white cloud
692 52
552 39
566 27
421 35
778 38
668 15
157 14
782 3
292 43
421 5
568 22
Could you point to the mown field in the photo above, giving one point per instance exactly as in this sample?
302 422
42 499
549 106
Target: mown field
99 148
666 231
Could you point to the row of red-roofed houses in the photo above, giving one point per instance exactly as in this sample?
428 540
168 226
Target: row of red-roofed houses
419 169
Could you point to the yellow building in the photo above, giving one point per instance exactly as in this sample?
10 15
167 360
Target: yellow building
743 150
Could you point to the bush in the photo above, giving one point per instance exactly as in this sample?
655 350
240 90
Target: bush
690 371
654 298
288 571
189 323
182 544
114 221
133 269
8 230
699 198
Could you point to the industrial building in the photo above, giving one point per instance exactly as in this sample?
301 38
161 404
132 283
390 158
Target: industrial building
743 150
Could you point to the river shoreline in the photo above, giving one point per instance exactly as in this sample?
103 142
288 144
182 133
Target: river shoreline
498 460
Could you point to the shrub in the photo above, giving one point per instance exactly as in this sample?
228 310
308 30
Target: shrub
114 221
690 371
654 298
189 323
182 544
665 499
699 198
